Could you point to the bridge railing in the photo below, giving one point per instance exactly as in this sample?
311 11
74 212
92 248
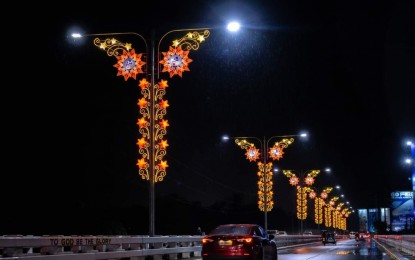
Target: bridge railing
116 247
99 247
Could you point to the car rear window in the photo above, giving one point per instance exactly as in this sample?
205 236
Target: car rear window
240 230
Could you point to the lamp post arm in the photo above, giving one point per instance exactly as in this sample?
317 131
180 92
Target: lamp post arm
191 41
112 51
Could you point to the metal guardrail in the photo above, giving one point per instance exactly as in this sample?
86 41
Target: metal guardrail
115 247
98 247
141 247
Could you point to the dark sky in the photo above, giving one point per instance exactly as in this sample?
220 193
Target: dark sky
343 71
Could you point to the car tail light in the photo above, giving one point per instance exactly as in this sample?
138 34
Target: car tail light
246 240
207 240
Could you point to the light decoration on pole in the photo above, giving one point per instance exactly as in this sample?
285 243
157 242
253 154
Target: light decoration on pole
319 203
152 124
301 189
337 215
265 184
343 218
329 207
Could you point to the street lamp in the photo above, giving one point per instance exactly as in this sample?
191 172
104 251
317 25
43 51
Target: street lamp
265 173
152 144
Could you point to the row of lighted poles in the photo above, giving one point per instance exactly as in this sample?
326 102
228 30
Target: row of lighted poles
152 123
334 215
263 157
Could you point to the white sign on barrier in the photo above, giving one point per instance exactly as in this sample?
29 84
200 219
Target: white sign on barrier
79 241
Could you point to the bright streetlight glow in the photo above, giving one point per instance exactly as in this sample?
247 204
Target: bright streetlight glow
76 35
233 26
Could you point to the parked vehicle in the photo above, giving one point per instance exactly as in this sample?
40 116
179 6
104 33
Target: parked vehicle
249 241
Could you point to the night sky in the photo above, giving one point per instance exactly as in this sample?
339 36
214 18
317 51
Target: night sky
343 71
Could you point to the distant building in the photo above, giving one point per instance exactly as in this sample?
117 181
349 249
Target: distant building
368 217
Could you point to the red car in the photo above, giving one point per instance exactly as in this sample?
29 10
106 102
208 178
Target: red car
245 241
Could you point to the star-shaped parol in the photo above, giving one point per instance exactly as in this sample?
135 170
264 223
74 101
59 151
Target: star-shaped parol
293 180
309 180
252 154
175 61
129 64
276 152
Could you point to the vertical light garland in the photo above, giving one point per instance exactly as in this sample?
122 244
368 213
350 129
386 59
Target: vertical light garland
337 216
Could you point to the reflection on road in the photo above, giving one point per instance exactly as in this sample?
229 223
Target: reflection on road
345 249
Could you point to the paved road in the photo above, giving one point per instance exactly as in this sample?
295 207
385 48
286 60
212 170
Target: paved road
347 249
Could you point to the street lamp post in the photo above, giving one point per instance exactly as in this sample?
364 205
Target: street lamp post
303 187
265 173
152 124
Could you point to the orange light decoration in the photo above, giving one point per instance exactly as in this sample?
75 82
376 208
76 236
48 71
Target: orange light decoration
265 175
319 203
175 61
294 181
129 64
318 212
152 107
302 202
252 154
329 207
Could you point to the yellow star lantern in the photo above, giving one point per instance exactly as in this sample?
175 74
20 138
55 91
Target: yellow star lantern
141 163
142 103
163 165
142 143
142 122
164 104
143 84
163 144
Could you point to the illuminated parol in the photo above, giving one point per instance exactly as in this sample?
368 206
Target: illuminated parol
265 184
152 106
